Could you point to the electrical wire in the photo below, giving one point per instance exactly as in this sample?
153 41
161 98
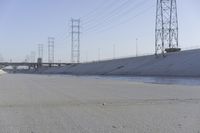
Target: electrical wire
122 14
125 21
109 11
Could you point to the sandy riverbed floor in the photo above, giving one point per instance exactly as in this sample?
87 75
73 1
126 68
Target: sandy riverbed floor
67 104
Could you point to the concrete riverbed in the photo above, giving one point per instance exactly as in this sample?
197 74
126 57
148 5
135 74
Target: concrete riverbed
70 104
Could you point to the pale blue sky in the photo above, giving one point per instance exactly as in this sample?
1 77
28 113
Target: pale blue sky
26 23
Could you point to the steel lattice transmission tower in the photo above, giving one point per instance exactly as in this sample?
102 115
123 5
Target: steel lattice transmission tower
51 41
75 40
166 32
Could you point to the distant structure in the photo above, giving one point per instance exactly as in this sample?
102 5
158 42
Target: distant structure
40 51
32 57
166 32
51 41
75 40
136 47
1 58
27 58
40 55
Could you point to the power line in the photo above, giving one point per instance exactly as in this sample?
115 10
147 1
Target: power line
115 9
120 15
97 14
93 12
107 27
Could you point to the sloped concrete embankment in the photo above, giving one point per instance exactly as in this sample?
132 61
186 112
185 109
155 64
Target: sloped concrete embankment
185 63
2 72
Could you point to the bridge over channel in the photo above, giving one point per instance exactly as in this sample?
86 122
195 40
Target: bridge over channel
32 65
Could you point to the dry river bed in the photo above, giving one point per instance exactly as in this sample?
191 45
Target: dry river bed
70 104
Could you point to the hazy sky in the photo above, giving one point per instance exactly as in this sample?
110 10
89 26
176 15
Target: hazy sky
104 23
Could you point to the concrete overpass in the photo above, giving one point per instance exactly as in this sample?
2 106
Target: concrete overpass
31 65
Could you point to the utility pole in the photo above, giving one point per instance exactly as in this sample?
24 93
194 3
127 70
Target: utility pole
136 47
51 41
99 54
166 31
86 58
114 50
1 58
40 51
32 55
75 40
27 58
